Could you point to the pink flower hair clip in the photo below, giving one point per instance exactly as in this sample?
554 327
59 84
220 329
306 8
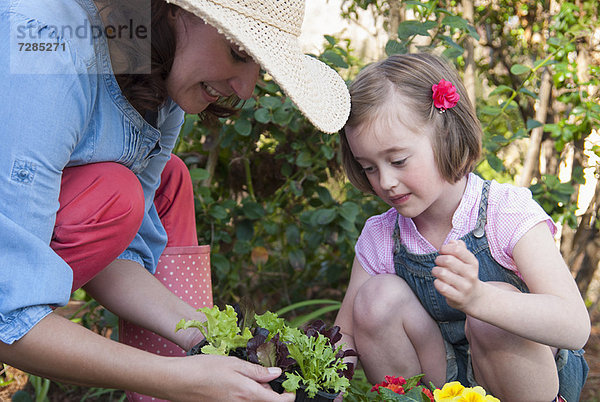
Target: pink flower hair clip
444 95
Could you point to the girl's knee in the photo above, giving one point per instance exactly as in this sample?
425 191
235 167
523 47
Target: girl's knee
380 299
480 334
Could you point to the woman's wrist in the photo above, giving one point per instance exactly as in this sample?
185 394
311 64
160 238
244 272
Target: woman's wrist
193 337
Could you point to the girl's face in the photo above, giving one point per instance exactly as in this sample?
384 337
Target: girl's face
207 66
396 154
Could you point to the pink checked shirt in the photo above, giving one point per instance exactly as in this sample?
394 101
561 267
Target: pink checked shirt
511 213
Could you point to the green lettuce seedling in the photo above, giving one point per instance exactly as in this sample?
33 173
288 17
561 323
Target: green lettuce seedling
320 363
220 329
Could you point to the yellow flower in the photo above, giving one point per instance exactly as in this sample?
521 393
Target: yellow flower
479 390
448 392
488 398
471 395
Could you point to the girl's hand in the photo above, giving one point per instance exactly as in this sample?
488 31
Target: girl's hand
223 378
457 274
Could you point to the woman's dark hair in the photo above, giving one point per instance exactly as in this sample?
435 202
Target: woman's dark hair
149 91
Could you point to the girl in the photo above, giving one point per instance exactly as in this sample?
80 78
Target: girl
461 278
94 98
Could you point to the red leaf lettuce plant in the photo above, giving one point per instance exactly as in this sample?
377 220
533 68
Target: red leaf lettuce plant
309 358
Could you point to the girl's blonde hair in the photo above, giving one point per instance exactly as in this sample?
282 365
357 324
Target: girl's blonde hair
458 134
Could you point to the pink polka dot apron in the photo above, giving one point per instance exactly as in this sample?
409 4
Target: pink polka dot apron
185 271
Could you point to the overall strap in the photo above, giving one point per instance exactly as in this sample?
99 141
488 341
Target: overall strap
479 230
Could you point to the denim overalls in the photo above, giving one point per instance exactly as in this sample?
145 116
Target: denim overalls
416 271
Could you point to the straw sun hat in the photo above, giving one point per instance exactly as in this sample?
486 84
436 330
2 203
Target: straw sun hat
268 30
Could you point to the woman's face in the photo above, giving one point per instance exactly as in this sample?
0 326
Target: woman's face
207 66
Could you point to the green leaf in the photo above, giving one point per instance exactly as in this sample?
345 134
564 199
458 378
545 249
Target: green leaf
501 89
292 234
389 395
304 159
323 216
221 330
454 21
491 110
328 152
296 188
286 169
244 230
527 92
243 127
551 181
283 115
531 124
253 210
554 41
189 124
270 102
220 264
303 319
406 29
324 195
473 32
395 47
565 188
349 211
292 383
297 259
521 133
306 303
452 53
249 104
262 115
518 69
495 163
413 381
199 174
270 227
218 212
500 140
334 58
21 396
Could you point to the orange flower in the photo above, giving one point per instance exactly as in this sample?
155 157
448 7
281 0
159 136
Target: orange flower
393 383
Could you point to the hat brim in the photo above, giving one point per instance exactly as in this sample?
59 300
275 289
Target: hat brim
316 89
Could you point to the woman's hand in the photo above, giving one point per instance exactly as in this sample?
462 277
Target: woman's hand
457 274
61 350
210 377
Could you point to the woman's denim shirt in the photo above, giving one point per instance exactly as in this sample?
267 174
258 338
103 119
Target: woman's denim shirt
62 108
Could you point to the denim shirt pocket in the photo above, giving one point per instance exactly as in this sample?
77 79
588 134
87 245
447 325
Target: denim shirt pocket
139 147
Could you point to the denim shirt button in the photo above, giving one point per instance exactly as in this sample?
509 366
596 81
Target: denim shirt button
23 174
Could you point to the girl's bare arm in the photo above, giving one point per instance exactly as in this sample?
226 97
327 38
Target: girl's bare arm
552 314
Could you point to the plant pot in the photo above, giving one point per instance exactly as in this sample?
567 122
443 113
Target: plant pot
240 353
301 395
321 396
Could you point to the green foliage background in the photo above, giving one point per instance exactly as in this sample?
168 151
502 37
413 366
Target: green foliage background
272 201
279 215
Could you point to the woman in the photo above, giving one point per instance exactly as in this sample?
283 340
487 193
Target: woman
88 84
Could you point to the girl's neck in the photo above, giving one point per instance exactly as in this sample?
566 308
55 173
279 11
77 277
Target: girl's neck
435 223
